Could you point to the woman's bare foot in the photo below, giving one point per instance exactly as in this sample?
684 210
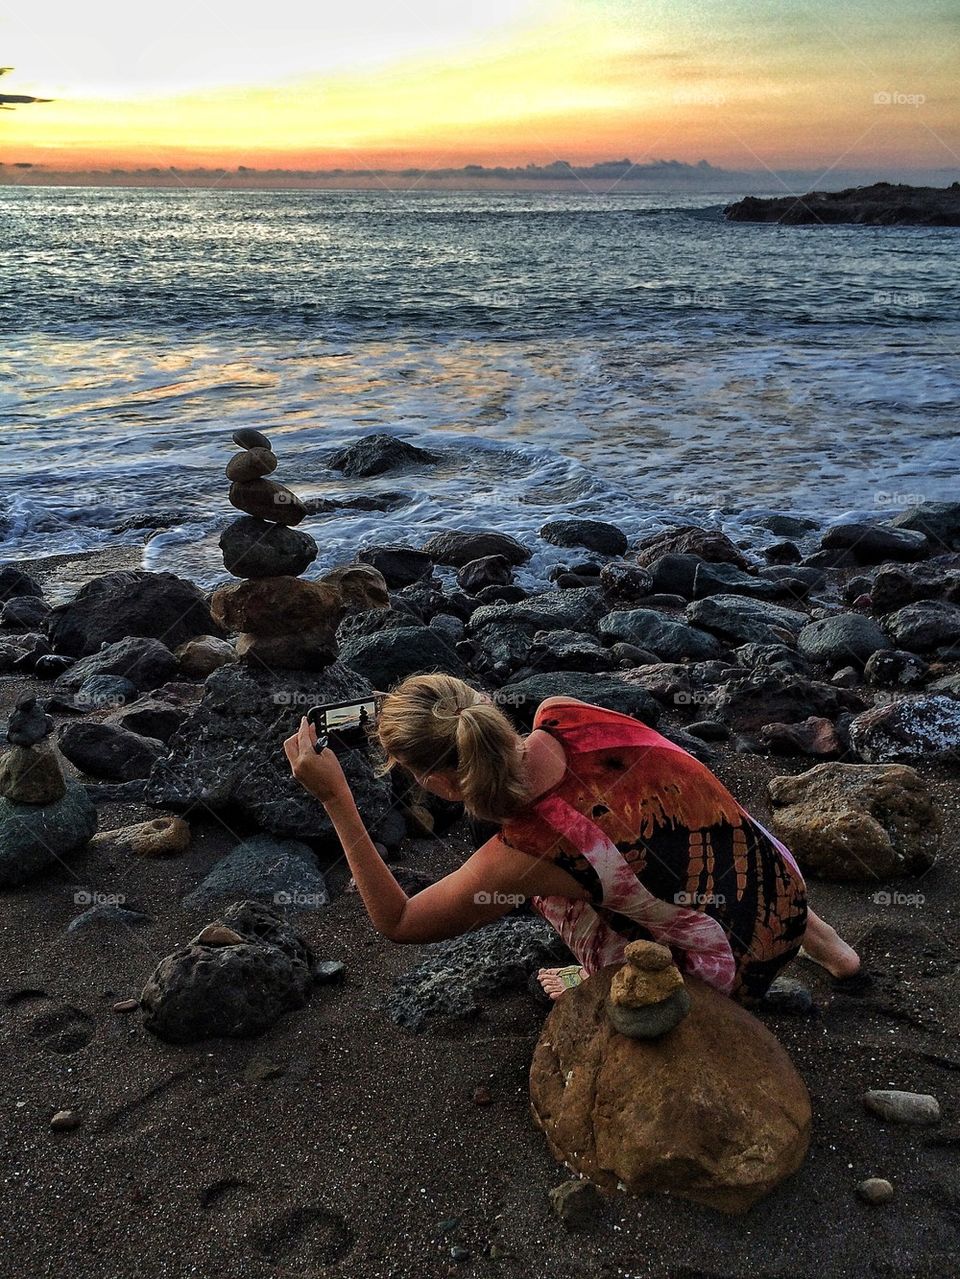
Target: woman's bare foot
556 980
825 947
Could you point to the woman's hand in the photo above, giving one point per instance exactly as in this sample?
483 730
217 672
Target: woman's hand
320 774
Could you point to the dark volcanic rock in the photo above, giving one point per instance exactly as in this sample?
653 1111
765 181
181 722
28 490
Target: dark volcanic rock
150 717
882 204
895 668
771 698
257 548
873 543
575 610
267 500
110 608
705 544
596 535
229 751
910 729
458 975
283 873
108 751
669 639
104 692
375 454
938 521
146 663
520 699
740 620
624 583
34 836
400 565
565 650
24 613
388 656
487 571
925 625
233 990
455 548
894 585
840 640
14 583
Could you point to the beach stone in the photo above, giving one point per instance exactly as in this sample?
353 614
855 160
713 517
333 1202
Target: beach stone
713 1112
650 1021
106 915
283 873
925 625
33 837
895 585
521 698
49 666
458 975
361 586
104 692
783 552
146 663
767 697
273 606
228 754
596 535
857 821
200 657
376 454
687 539
118 605
782 525
814 736
296 651
65 1121
251 464
149 717
873 543
672 641
576 610
770 657
489 570
159 837
249 438
105 750
456 548
909 729
256 548
267 500
895 667
902 1107
235 991
717 579
789 996
709 730
623 583
28 723
14 583
398 565
737 619
937 521
569 651
24 613
875 1190
842 639
390 500
387 657
32 774
575 1202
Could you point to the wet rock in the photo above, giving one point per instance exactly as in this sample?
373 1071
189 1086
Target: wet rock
283 873
672 641
104 692
258 548
200 657
569 651
770 657
880 204
15 584
713 1112
376 454
456 548
387 657
382 501
119 605
781 525
894 668
937 521
899 1107
924 625
895 585
576 610
909 729
268 500
873 543
249 438
229 751
737 619
105 750
399 565
24 613
251 464
159 837
596 535
33 837
489 570
624 583
202 992
717 579
456 977
687 539
145 662
50 665
361 586
276 606
520 699
857 822
782 553
841 640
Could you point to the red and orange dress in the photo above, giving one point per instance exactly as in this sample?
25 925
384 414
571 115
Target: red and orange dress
666 852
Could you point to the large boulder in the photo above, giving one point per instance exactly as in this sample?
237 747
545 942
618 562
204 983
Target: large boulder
399 565
910 729
458 547
938 521
842 639
737 619
924 625
361 586
110 608
229 752
770 697
579 609
521 698
146 663
34 836
281 872
873 543
857 821
388 656
14 583
687 539
109 751
375 454
252 970
259 548
672 641
714 1111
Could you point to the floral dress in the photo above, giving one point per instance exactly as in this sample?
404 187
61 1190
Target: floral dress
666 853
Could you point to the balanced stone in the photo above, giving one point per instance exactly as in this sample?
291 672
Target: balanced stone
647 995
277 606
32 775
32 837
251 464
248 438
28 723
268 500
256 548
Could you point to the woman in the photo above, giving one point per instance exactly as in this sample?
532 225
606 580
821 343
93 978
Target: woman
610 830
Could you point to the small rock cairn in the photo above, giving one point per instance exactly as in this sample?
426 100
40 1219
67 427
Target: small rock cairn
31 772
647 996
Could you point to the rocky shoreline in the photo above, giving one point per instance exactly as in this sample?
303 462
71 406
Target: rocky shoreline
823 688
882 204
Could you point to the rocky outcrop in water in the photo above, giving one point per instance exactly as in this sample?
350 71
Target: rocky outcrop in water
882 204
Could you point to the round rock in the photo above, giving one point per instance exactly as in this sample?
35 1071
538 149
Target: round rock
268 500
248 438
256 548
251 464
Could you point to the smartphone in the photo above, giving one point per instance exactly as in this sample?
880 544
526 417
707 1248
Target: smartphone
345 724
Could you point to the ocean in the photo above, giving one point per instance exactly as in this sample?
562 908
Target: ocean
631 358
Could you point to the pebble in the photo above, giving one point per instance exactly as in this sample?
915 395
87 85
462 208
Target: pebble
575 1202
329 970
218 935
251 464
126 1006
65 1121
482 1096
903 1107
459 1254
28 723
787 995
875 1190
248 438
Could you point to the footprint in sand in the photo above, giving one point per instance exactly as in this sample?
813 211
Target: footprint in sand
58 1027
303 1237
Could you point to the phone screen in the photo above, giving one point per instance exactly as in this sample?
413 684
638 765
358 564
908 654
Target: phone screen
350 718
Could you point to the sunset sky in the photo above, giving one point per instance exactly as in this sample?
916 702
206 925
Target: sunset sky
311 83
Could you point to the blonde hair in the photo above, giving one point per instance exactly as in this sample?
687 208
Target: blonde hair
429 723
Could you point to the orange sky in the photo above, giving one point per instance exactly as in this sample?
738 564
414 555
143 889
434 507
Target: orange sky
295 84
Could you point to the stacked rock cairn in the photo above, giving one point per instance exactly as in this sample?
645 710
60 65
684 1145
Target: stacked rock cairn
284 623
31 773
647 996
